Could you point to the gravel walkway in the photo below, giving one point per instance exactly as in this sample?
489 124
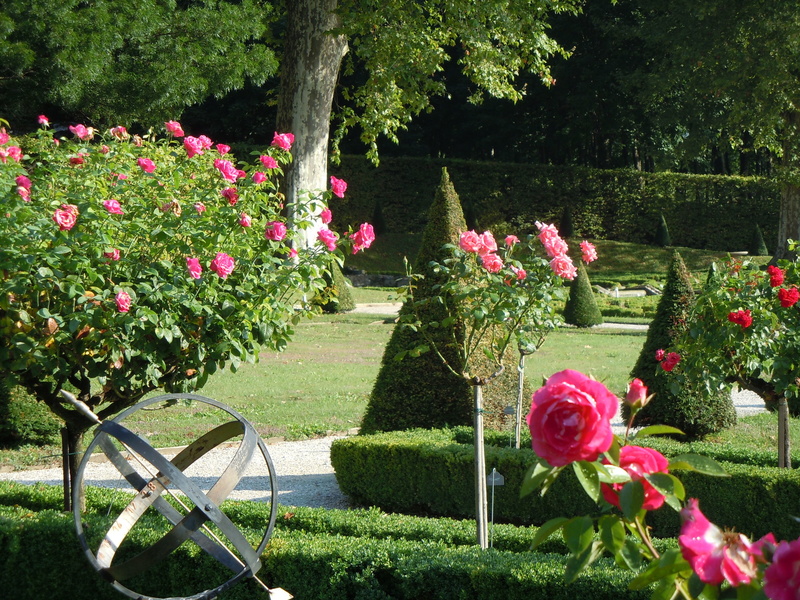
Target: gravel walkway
305 474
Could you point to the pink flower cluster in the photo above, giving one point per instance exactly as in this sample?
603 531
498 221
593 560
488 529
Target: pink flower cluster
588 252
556 249
6 152
485 246
776 275
363 238
228 171
23 187
283 140
328 238
741 317
668 360
196 145
66 216
174 128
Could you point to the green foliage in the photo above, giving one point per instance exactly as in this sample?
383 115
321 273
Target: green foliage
23 420
757 245
679 404
612 204
335 297
581 309
662 237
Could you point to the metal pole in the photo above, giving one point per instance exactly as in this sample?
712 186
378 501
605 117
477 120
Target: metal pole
65 469
481 502
518 413
784 456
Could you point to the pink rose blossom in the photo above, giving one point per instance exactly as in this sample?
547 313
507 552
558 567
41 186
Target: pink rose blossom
113 207
81 131
4 137
660 354
113 255
670 361
123 301
147 165
570 419
488 244
338 187
56 142
24 193
200 207
43 120
223 149
362 238
104 149
782 577
268 162
205 142
520 273
491 262
222 265
226 169
292 253
65 217
194 267
175 129
638 462
327 237
715 556
78 159
589 252
231 194
275 231
283 140
469 241
119 132
23 181
259 177
637 393
193 146
511 240
325 216
551 240
563 267
245 220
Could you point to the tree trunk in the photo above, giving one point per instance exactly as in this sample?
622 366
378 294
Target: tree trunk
73 437
309 72
789 221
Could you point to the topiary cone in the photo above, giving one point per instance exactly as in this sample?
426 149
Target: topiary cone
662 233
336 296
683 405
581 309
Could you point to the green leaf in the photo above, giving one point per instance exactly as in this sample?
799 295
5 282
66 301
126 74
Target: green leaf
546 530
578 562
540 474
631 498
588 478
670 563
578 533
670 486
612 533
630 555
696 462
612 473
656 430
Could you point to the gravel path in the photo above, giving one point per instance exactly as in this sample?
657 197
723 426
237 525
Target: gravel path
305 474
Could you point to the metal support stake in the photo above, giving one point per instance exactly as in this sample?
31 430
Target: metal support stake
481 502
518 414
784 455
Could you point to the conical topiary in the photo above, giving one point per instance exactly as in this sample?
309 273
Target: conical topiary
335 297
566 227
662 233
378 220
421 391
686 406
581 309
757 245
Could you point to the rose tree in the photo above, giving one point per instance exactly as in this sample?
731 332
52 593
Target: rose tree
135 263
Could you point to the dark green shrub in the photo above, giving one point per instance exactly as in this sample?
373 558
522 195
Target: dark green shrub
685 406
24 420
420 391
662 238
565 226
336 296
757 245
581 309
378 220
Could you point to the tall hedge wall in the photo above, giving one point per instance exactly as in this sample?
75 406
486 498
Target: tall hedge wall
702 211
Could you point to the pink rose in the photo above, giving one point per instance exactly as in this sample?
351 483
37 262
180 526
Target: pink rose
670 361
222 265
469 241
123 301
637 393
226 169
245 220
147 165
362 238
200 207
563 267
660 355
589 252
488 244
81 131
326 216
223 149
104 149
205 142
193 146
175 129
15 153
338 186
275 231
511 240
782 577
520 273
23 181
268 162
231 194
113 207
715 556
65 217
4 137
113 255
551 240
43 121
638 462
292 253
119 132
283 140
24 193
327 237
491 262
259 177
570 419
194 267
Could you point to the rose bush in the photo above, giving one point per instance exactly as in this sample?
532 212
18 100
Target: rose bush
131 263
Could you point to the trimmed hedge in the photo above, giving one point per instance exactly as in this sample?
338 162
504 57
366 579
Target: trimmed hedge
314 554
429 471
707 211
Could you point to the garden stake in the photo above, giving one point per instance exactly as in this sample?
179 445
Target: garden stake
481 507
784 456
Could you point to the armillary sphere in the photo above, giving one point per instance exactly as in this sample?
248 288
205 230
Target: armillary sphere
192 514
